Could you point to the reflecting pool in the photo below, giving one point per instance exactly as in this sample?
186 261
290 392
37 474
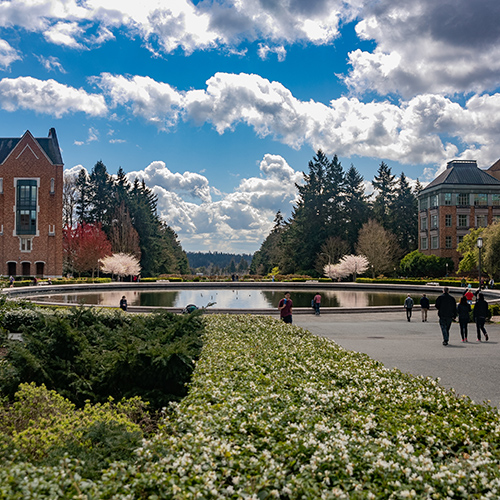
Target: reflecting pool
241 298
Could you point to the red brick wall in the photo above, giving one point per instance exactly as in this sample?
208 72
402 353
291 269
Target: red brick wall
28 160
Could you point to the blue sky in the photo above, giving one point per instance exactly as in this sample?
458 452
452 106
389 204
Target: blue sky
219 105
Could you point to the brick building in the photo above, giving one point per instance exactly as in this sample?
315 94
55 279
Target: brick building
461 198
31 184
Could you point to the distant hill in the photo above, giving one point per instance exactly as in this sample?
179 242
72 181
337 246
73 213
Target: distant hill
220 260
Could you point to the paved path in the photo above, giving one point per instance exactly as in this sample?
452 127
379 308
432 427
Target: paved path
415 347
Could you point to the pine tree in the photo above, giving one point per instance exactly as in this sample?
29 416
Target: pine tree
82 193
101 196
356 205
385 184
405 215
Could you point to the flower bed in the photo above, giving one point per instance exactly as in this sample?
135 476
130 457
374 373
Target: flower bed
275 412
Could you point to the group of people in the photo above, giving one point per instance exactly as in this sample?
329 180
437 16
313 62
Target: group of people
285 307
448 311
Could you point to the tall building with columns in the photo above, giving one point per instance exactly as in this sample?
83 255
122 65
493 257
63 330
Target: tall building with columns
461 198
31 186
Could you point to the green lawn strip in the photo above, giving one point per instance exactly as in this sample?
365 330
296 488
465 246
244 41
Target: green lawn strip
275 412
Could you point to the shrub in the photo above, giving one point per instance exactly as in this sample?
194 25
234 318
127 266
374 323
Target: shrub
85 354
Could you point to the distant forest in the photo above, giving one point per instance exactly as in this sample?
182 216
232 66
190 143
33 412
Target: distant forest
208 262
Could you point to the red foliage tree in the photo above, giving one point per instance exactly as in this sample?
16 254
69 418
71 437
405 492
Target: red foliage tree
83 246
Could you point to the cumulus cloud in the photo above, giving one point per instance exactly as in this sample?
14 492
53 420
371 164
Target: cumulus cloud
7 54
427 47
48 97
240 220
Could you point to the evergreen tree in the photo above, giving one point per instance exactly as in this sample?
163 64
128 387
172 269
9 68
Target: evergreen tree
404 215
101 196
385 184
82 194
356 206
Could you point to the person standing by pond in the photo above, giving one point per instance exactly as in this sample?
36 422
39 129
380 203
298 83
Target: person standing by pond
317 303
123 303
408 306
424 307
480 315
285 308
463 311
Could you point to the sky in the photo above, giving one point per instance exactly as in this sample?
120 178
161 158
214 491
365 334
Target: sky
219 105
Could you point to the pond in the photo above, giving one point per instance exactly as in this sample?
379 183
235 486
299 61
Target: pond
241 298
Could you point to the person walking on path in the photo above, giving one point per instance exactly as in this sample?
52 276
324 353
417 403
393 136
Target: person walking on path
480 313
463 311
469 295
424 306
447 312
408 306
317 303
285 308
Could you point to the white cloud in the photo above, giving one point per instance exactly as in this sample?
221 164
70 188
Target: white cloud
239 221
51 63
428 47
48 97
7 54
265 50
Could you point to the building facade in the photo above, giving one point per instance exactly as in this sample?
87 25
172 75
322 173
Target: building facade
462 198
31 204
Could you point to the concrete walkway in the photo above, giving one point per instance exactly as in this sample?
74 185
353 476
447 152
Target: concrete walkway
472 368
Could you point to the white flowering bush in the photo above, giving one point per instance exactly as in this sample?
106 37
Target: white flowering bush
275 412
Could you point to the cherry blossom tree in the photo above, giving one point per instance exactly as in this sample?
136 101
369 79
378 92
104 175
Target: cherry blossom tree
121 265
354 264
334 272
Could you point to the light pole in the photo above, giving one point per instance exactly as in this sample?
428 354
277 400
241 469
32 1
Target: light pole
479 246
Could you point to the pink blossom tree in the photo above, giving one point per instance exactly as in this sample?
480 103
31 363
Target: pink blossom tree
121 265
334 272
354 264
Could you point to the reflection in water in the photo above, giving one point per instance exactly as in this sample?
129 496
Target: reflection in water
234 299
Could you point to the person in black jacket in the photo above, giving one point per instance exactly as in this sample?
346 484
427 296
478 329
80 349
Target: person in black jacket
463 311
480 314
447 312
424 306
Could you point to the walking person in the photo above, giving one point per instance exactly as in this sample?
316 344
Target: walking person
424 306
285 308
317 303
447 312
480 314
408 305
469 295
463 311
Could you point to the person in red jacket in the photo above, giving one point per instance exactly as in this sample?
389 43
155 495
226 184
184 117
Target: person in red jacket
285 308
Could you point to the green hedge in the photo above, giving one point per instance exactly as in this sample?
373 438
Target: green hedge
416 281
275 412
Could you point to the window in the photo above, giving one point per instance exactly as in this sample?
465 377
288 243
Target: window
463 221
447 198
495 200
1 185
496 218
463 199
25 244
459 240
481 220
434 200
423 243
424 203
447 220
52 186
481 200
434 242
434 221
448 242
423 224
26 207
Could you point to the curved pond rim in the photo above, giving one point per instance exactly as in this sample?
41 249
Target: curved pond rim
30 292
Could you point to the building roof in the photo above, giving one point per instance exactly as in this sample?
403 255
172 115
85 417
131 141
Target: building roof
50 146
460 172
495 167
